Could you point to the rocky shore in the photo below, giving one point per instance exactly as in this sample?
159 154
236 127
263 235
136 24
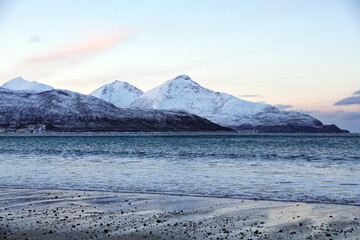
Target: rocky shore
59 214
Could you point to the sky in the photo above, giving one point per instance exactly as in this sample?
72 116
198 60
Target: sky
301 55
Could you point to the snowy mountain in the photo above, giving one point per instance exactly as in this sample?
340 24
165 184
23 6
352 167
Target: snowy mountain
183 94
66 111
20 84
119 93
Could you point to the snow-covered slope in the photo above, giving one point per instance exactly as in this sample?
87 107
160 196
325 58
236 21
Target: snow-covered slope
182 93
62 110
20 84
119 93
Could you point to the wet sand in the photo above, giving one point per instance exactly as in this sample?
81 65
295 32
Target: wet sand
57 214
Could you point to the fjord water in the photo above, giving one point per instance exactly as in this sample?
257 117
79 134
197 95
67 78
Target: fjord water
291 167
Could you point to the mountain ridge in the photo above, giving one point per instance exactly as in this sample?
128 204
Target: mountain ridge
67 111
183 94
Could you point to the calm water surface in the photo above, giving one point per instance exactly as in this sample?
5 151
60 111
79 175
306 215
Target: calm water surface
314 168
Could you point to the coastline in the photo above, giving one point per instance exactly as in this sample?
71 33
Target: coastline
68 214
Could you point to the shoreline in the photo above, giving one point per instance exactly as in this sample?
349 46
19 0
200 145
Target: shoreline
164 133
357 204
69 214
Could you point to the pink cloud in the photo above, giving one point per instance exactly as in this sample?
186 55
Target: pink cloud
7 52
94 44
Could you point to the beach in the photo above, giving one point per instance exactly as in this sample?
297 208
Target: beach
64 214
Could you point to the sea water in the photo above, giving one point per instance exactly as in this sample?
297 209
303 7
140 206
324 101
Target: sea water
290 167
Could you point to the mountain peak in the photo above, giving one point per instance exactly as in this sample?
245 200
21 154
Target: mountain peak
119 93
185 77
122 83
119 82
184 94
19 83
18 78
180 82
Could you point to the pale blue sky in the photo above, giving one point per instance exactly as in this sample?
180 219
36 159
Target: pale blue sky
304 53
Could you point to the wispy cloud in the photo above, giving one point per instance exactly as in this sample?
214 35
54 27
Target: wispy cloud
91 45
355 99
283 106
